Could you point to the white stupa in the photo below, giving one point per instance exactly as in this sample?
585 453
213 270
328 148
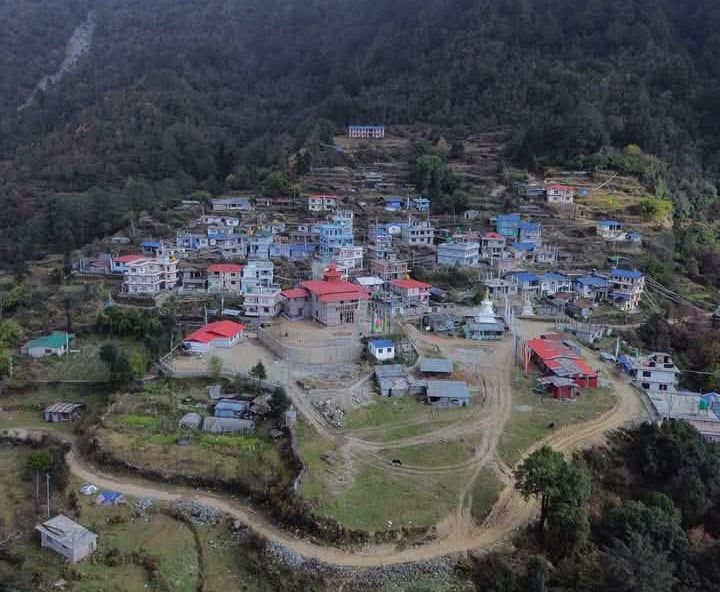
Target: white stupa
486 314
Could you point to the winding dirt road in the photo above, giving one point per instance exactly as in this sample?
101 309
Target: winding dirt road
458 533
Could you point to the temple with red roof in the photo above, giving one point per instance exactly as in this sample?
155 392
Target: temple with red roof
554 358
217 334
331 301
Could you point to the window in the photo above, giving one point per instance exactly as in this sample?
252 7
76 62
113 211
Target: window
646 385
663 387
646 373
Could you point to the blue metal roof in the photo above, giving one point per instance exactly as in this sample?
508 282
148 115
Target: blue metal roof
608 222
593 281
376 343
526 276
508 217
150 243
231 404
529 225
552 276
524 246
632 274
393 198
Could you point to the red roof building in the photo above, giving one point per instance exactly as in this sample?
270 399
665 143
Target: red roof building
225 268
217 334
557 193
128 258
414 294
331 301
553 357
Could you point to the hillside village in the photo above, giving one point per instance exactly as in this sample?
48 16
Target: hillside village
348 340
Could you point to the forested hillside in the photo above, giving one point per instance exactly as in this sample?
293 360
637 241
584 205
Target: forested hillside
187 91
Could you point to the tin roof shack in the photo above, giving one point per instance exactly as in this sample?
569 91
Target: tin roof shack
61 412
441 323
228 425
447 393
393 380
67 538
436 367
231 408
191 421
558 387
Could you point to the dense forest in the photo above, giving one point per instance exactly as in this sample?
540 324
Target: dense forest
640 515
187 93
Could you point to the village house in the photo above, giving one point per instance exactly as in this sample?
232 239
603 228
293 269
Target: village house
263 302
259 244
219 220
522 252
558 387
389 267
67 538
372 284
557 193
545 255
657 373
193 240
381 349
119 264
334 235
470 214
419 203
609 229
322 203
552 282
412 292
508 225
392 380
223 334
580 308
376 132
224 277
593 287
292 251
393 203
527 282
435 367
56 343
440 322
346 258
257 274
151 275
447 393
232 204
459 253
530 232
382 233
416 233
555 358
492 245
627 287
330 301
63 412
499 288
151 248
192 279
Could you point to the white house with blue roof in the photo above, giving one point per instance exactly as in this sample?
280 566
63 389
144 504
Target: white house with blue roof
530 232
552 283
526 281
609 229
593 287
627 287
382 349
420 203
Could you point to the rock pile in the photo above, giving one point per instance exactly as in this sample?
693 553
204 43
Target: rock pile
196 513
331 412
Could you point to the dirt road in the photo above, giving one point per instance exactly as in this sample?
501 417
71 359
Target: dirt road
458 532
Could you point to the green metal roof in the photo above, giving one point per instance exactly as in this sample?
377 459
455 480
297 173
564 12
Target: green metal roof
54 340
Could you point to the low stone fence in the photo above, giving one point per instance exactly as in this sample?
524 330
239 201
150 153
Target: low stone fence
336 351
342 397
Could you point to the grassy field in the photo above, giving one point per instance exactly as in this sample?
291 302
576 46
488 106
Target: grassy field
385 419
24 407
532 415
373 498
485 491
83 363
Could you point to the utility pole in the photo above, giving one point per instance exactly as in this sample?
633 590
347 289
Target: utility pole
47 485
